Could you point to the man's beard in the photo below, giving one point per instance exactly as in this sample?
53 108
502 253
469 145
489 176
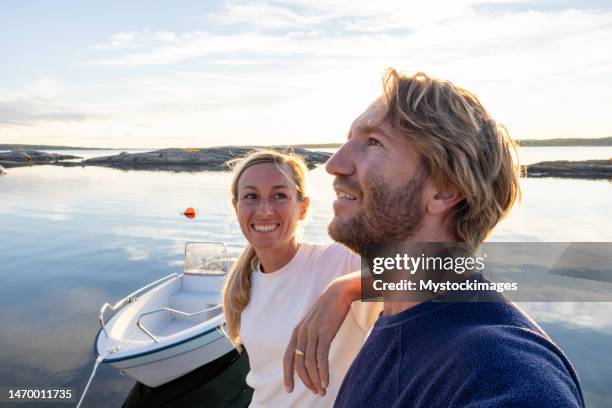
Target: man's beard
388 214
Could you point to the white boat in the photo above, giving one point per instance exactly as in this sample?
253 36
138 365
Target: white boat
171 326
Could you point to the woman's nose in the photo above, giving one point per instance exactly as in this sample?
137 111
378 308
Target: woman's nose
264 208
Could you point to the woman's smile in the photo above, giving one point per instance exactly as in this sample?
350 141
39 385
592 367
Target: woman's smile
265 228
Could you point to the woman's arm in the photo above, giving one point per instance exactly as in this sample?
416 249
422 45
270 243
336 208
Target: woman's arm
314 334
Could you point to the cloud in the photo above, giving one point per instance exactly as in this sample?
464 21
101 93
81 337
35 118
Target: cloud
543 5
42 100
267 16
199 44
292 63
327 32
120 40
132 39
30 111
45 88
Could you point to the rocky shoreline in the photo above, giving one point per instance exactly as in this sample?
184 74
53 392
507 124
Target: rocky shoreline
587 169
216 158
19 158
174 159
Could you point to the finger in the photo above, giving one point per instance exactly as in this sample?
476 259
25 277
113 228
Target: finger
288 363
323 360
299 366
310 361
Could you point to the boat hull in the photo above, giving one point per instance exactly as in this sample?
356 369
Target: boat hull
162 366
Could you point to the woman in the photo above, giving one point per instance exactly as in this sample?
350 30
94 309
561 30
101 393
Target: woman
277 278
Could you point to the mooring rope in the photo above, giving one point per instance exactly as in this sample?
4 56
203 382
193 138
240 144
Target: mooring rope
100 359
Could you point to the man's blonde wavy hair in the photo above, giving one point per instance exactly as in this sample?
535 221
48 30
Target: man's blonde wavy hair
460 144
237 287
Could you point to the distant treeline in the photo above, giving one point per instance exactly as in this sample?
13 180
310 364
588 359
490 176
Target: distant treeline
575 141
47 147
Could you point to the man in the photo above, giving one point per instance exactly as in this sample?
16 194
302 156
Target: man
426 163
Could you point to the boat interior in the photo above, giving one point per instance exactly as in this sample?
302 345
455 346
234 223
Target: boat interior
181 303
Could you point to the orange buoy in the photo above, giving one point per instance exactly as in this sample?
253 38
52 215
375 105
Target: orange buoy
189 213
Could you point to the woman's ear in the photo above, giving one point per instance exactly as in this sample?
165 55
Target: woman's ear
234 204
304 207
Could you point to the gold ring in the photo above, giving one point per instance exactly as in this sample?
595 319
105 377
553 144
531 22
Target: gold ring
299 352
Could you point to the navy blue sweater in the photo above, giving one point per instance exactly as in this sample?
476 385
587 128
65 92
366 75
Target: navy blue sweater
459 354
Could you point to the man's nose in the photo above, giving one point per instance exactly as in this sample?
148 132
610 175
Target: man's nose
342 162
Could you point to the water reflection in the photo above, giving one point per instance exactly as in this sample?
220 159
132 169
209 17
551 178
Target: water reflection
74 238
583 315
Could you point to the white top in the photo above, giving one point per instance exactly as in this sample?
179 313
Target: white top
279 300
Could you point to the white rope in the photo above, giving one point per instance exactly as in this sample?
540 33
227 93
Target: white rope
95 368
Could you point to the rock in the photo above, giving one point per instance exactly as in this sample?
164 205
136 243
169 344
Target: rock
587 169
17 158
2 171
193 159
8 164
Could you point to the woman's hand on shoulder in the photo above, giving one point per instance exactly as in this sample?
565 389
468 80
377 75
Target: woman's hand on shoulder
314 334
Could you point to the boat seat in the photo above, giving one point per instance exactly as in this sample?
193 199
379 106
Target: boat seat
190 302
175 326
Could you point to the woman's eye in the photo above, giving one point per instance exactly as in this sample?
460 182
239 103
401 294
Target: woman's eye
249 196
280 196
373 142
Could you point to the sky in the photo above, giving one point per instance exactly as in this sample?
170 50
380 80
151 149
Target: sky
143 74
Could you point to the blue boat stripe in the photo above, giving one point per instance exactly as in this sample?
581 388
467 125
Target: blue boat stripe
145 353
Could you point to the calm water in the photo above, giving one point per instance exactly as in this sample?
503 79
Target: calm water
74 238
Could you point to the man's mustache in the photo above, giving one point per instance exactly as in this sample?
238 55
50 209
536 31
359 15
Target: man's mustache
346 184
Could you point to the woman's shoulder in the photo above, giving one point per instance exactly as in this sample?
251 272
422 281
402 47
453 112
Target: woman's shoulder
327 249
333 255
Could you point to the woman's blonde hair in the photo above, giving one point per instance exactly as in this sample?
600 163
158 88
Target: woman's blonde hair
237 287
460 144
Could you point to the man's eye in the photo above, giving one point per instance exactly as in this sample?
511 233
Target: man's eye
373 142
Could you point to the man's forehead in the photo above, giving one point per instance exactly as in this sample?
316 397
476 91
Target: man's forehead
373 120
373 116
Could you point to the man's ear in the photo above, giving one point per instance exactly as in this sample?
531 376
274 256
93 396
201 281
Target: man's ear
304 207
443 199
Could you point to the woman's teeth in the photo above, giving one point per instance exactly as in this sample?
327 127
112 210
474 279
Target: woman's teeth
345 196
265 228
